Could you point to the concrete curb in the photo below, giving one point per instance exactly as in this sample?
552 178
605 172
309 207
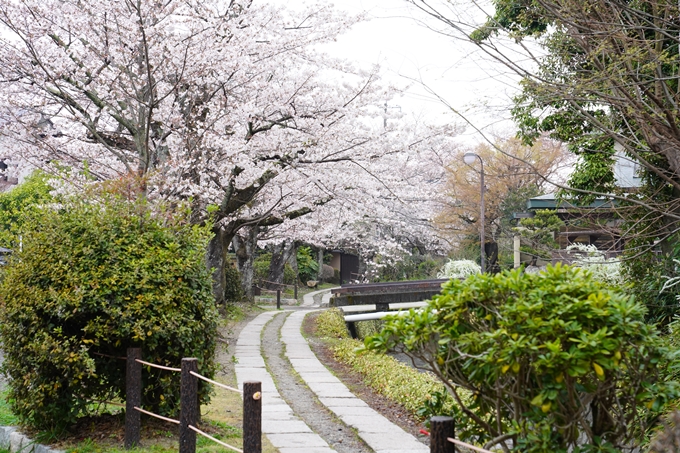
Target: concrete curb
16 442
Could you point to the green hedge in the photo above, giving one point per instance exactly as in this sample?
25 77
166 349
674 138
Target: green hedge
93 279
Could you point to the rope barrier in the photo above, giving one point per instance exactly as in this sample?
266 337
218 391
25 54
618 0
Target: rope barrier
275 283
214 440
171 420
153 365
109 356
463 444
215 383
459 442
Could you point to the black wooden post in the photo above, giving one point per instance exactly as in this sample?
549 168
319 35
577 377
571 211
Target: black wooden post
440 428
278 299
188 411
295 290
252 417
133 397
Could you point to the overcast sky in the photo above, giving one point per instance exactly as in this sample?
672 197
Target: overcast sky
410 53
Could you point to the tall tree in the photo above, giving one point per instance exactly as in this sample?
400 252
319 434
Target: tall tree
223 103
513 173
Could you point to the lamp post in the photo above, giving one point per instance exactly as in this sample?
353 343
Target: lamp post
469 159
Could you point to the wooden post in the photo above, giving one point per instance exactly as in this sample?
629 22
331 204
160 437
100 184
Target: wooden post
278 299
188 411
295 296
133 397
252 417
440 428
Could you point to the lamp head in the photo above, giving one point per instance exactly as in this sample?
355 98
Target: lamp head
469 158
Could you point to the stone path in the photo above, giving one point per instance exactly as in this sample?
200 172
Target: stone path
284 429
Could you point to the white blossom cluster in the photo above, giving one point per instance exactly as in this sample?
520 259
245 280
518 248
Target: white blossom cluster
459 269
225 104
589 257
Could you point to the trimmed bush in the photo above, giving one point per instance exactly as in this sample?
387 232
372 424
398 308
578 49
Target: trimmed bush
93 279
556 360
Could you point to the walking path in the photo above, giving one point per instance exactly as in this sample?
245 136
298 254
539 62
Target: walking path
285 430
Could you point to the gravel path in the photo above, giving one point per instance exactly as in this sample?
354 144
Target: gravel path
303 402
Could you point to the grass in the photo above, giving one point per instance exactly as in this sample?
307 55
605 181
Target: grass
7 418
384 374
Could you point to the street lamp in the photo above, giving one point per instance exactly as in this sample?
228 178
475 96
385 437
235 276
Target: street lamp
469 159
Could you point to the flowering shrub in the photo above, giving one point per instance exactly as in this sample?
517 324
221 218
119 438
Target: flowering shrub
606 270
459 269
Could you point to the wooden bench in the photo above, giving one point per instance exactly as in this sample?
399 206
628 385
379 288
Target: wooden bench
368 312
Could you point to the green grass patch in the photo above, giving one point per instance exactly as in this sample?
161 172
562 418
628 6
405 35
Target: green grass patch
7 418
420 393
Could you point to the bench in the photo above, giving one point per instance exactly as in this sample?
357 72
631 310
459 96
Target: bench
368 312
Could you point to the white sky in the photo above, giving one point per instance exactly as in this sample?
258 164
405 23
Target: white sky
411 54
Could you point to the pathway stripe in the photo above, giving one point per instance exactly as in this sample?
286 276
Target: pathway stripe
378 432
286 431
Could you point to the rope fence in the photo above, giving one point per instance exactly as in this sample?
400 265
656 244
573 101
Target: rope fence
216 383
214 440
442 436
160 367
171 420
278 291
189 413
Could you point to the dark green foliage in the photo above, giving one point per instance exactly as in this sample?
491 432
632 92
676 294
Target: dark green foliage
538 233
261 269
556 359
93 279
233 292
27 196
308 267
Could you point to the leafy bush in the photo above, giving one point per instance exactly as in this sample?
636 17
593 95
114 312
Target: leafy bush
233 291
386 375
327 273
459 269
92 280
29 195
420 393
331 325
261 269
555 360
308 267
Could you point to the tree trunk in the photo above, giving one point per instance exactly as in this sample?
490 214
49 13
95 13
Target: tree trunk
244 246
280 255
216 259
320 260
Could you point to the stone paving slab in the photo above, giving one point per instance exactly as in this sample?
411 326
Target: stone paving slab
285 426
306 450
300 440
282 427
334 403
378 432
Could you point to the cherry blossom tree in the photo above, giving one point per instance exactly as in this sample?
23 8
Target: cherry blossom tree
226 104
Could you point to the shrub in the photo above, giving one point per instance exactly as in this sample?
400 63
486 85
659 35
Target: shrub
92 280
459 269
327 273
557 360
261 269
29 195
308 267
233 291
